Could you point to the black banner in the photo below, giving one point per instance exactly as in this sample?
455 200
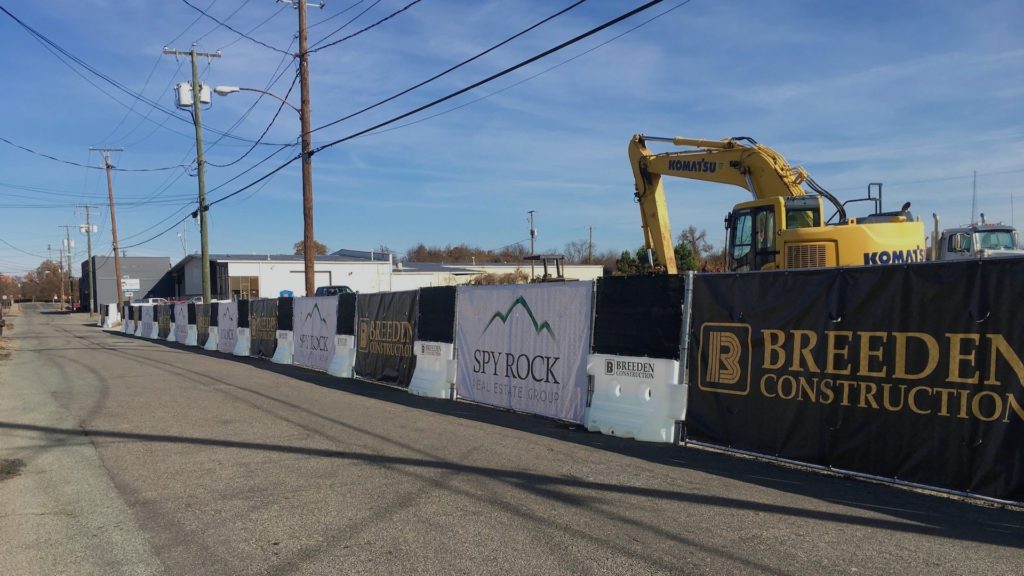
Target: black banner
639 316
346 315
200 314
214 313
912 372
436 320
385 336
285 308
190 310
243 313
262 328
163 320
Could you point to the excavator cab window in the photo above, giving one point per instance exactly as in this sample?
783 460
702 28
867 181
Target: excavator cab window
742 239
752 238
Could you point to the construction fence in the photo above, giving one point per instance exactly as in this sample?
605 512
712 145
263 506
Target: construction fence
908 374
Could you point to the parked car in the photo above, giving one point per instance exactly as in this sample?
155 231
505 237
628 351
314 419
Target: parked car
150 301
332 290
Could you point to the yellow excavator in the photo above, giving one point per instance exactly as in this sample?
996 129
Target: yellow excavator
783 226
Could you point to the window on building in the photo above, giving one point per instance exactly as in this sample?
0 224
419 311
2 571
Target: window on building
245 287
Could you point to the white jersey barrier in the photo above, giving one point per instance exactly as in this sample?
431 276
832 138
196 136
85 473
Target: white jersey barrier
635 397
179 329
211 340
283 352
344 356
434 376
227 327
144 321
243 343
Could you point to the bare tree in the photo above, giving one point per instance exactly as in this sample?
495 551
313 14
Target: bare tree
318 248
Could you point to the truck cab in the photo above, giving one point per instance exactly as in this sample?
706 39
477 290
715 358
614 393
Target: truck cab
979 241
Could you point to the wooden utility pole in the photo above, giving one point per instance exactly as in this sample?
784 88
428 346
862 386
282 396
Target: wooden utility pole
93 300
113 226
308 249
68 245
60 267
200 163
590 246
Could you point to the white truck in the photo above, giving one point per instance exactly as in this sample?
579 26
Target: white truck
982 240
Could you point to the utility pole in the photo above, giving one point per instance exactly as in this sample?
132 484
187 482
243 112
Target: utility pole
71 274
590 246
308 250
533 238
113 226
93 301
200 163
60 268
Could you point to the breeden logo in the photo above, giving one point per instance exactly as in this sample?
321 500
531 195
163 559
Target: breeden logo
521 301
609 367
723 364
364 334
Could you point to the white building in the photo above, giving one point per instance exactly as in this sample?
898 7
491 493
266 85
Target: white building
267 276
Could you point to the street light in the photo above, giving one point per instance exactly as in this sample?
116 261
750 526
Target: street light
307 180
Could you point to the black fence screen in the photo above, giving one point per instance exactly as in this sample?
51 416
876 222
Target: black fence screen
436 322
347 315
910 372
639 316
262 328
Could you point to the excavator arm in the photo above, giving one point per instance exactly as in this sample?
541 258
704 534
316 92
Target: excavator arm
758 169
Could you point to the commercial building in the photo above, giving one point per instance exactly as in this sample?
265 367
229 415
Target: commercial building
238 276
141 277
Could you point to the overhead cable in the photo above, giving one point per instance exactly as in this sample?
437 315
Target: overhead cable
495 76
242 34
80 165
455 67
345 25
370 27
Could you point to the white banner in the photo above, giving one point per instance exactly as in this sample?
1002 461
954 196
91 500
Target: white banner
180 323
314 322
227 326
525 347
146 318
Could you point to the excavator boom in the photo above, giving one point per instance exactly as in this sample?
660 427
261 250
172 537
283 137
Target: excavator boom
774 187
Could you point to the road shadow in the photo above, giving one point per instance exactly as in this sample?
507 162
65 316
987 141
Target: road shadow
904 510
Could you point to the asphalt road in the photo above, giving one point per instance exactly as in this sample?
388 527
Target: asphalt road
128 456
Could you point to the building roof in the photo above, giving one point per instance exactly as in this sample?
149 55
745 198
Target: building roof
269 258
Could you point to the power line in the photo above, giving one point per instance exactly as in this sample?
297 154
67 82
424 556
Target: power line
43 39
495 76
225 25
333 16
451 95
532 76
345 25
280 106
20 250
80 165
455 67
370 27
253 29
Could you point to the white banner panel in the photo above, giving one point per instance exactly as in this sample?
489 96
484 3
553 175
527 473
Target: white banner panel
227 326
525 347
180 323
314 323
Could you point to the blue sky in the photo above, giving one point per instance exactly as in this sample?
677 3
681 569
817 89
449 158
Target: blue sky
916 95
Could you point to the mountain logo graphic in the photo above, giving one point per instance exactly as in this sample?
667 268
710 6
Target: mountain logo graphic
319 315
521 301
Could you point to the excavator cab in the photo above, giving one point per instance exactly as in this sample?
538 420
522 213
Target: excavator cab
755 229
